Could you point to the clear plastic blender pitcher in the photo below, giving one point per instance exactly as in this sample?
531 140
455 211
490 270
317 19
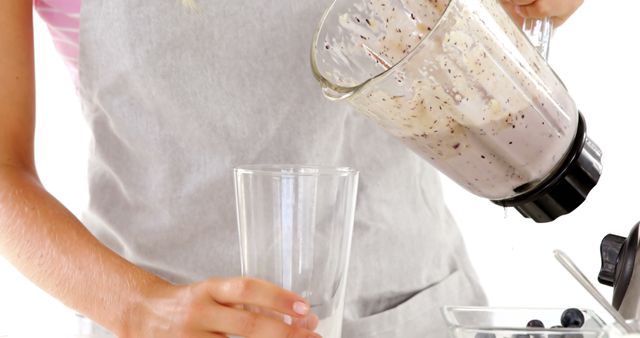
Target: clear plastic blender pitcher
461 85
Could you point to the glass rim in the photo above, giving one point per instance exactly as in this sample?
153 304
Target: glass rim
344 92
294 170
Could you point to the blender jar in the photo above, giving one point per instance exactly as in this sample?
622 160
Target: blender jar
461 85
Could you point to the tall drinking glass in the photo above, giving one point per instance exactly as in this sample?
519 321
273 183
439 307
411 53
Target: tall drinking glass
295 225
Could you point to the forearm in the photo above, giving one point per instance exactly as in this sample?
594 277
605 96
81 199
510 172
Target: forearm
37 234
53 249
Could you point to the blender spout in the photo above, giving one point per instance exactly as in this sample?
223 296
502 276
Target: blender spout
334 95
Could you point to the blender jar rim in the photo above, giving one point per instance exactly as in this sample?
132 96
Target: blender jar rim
338 92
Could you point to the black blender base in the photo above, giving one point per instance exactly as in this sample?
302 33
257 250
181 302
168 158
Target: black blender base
567 187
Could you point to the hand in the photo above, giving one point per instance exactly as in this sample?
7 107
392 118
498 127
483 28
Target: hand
214 308
558 10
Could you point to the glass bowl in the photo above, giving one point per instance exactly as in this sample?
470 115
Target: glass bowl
487 322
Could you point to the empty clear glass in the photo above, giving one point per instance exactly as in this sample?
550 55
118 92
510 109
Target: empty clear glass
295 226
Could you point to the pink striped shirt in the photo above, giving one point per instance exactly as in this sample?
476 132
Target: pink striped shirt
63 19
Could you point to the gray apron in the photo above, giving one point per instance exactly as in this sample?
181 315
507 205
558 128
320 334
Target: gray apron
176 98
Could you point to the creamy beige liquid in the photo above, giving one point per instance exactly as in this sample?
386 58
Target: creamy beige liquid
472 96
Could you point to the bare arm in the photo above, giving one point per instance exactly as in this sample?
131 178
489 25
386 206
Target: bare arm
43 240
37 234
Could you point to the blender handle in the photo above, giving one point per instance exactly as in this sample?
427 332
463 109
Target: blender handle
539 33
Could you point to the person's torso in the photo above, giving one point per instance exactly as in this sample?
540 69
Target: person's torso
177 97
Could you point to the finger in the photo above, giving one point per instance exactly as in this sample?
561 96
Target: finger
559 10
249 324
310 322
537 10
257 292
572 7
206 335
510 9
522 2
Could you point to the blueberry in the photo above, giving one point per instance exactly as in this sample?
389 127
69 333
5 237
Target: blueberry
485 335
556 335
535 323
572 318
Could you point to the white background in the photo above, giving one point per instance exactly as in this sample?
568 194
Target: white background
595 53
